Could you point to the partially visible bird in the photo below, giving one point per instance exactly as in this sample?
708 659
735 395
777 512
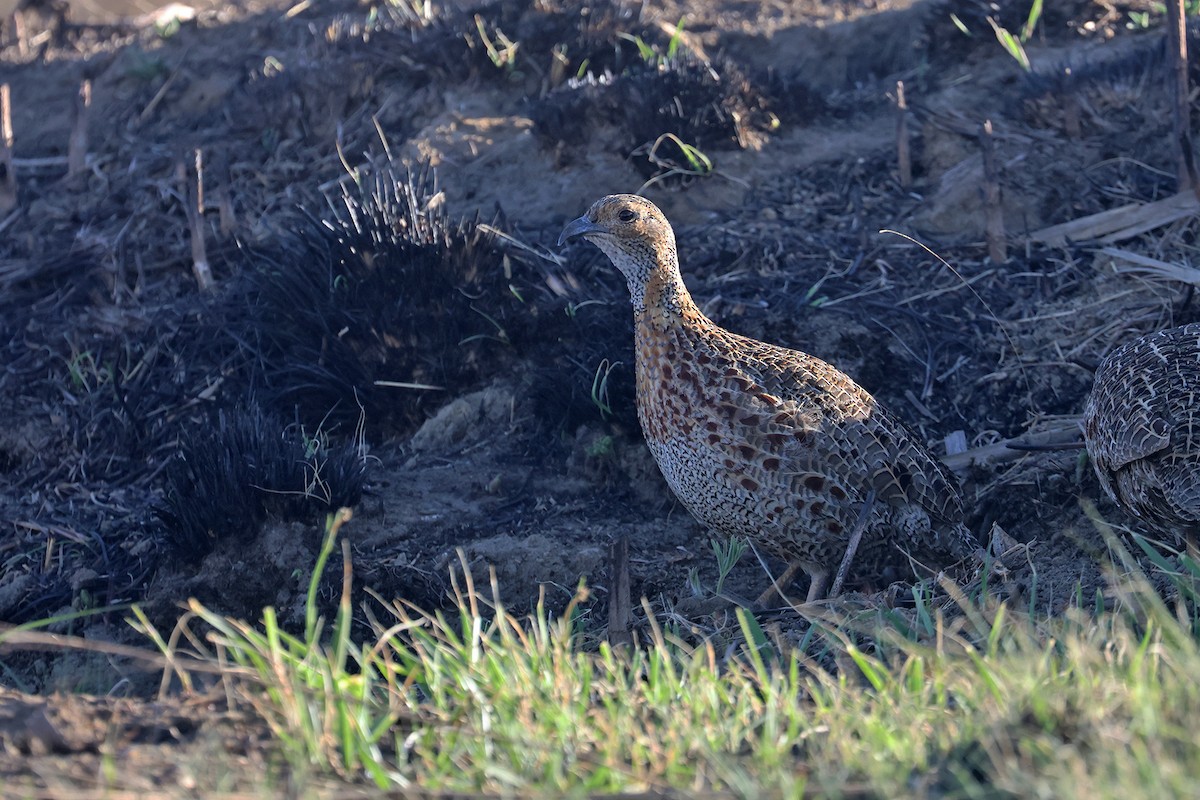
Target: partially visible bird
770 443
1141 427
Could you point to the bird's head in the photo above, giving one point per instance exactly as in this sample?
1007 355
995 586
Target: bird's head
635 236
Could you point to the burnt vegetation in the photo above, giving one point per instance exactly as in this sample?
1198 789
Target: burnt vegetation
383 287
242 464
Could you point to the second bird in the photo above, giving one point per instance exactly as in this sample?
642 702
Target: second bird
769 443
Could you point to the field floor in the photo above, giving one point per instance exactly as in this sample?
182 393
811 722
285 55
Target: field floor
467 386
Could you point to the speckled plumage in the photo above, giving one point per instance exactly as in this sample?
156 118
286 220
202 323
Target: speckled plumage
762 441
1142 429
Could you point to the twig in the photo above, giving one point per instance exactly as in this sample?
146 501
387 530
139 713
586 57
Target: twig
14 639
77 145
8 175
1011 449
9 220
424 387
903 158
856 535
45 163
199 163
1177 57
997 247
195 217
158 98
1070 110
225 213
227 219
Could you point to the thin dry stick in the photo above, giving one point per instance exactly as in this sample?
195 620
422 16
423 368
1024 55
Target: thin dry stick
77 144
997 247
1070 109
856 535
1177 57
18 21
1067 437
200 266
199 180
225 211
14 639
903 158
8 174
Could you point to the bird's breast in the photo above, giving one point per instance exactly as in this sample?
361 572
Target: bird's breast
672 390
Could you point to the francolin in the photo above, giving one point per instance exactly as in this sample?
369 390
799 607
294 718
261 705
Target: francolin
1142 430
770 443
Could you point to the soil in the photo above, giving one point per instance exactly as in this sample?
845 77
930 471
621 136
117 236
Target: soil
501 448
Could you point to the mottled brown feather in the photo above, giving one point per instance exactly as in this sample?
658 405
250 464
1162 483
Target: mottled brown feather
765 442
1142 429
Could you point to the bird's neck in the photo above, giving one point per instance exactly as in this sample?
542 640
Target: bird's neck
664 298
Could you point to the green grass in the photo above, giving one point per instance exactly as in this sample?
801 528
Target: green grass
991 703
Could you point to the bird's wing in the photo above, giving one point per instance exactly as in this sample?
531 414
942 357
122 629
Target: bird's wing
823 425
1140 392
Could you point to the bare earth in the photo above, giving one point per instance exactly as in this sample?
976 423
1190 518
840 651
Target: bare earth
112 356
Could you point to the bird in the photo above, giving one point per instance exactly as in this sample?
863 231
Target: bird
1141 428
769 443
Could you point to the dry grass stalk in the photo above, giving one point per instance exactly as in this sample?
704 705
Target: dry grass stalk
903 157
77 145
1153 267
19 34
15 640
1070 109
8 174
997 246
225 213
199 164
195 216
1177 57
1121 223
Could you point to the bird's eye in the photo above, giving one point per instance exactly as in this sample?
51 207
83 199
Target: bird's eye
626 215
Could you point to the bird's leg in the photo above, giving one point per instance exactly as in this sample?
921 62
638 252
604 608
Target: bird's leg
818 589
780 585
856 534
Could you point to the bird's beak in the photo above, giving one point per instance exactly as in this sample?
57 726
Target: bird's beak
576 228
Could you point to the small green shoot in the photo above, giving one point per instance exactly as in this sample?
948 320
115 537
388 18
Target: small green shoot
647 52
1011 44
417 13
1139 20
602 447
1031 21
85 374
676 40
571 309
600 387
728 552
501 50
500 336
694 162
